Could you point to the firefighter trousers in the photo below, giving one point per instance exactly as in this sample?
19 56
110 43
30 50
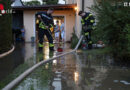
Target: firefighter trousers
88 38
48 34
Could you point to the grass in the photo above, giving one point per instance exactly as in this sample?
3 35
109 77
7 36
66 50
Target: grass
98 51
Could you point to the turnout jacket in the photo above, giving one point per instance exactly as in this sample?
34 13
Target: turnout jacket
47 19
88 19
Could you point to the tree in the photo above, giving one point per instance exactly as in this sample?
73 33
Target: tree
113 27
5 27
49 2
32 3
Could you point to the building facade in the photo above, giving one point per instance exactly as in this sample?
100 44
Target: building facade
71 18
29 19
81 5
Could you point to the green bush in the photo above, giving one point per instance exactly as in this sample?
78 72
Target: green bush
5 28
113 27
74 40
32 3
50 2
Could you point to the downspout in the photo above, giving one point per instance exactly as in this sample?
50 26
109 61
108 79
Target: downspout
83 5
65 1
83 11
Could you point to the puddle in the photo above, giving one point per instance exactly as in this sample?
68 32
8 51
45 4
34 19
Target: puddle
77 71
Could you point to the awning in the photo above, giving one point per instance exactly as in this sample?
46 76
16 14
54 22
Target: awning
45 7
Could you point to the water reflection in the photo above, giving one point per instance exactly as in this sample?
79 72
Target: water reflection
56 82
84 71
46 51
49 73
99 73
77 71
23 57
76 77
13 60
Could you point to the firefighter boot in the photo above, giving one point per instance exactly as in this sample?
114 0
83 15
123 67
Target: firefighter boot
40 47
51 47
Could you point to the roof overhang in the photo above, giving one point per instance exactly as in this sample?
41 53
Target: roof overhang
45 7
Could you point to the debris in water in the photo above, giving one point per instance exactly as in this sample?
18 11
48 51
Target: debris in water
125 82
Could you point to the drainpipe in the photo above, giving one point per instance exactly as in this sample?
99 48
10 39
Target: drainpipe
83 5
82 10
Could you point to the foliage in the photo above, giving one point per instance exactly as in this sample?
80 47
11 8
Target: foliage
49 2
99 51
5 28
32 3
128 36
36 2
74 39
113 26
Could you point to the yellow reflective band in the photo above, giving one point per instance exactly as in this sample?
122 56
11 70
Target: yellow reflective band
92 21
51 45
87 33
88 16
40 45
42 26
83 23
90 42
82 20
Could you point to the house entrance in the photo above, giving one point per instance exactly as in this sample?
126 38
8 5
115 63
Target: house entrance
61 20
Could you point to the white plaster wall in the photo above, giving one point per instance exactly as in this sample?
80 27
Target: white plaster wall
88 3
78 18
29 22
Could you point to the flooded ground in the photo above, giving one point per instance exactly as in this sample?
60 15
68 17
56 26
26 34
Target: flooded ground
23 57
77 71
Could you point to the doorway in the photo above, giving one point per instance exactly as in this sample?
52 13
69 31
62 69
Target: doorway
61 20
55 18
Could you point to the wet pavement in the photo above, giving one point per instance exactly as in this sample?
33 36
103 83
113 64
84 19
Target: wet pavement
76 71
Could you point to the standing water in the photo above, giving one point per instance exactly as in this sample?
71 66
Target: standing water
76 71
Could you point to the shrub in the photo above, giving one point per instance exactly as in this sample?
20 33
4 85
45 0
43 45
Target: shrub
74 40
113 26
5 28
50 2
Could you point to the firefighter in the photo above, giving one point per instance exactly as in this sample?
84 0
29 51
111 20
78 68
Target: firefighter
45 23
87 24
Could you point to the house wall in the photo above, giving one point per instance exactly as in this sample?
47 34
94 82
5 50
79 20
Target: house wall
78 25
87 3
29 23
